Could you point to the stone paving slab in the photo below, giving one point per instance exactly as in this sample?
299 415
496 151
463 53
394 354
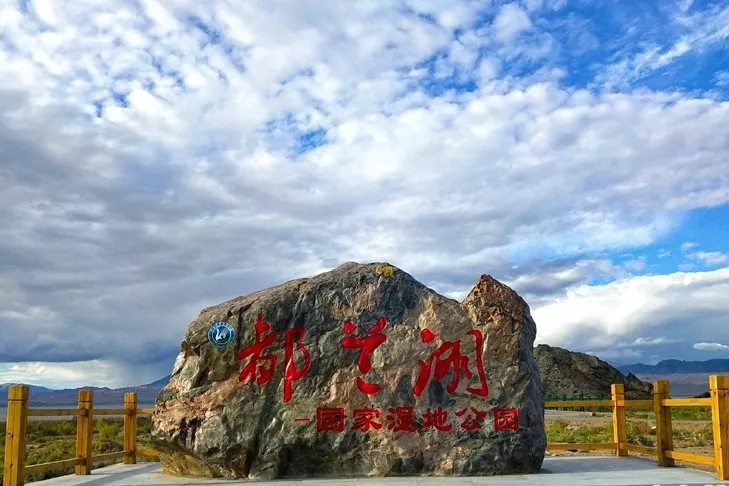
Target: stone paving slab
557 471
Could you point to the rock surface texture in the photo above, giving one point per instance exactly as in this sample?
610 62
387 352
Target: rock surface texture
569 373
360 371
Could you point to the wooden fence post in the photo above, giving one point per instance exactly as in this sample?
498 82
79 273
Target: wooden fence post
130 428
14 471
664 428
620 432
719 386
84 430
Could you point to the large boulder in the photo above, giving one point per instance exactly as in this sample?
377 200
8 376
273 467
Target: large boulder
360 371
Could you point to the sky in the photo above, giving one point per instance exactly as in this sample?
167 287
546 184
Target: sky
160 157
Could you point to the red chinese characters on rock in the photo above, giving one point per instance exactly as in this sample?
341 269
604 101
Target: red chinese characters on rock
437 419
506 419
402 419
329 419
446 356
366 419
254 369
292 373
367 345
260 367
472 419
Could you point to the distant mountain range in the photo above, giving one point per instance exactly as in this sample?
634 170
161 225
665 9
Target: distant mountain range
674 366
102 396
686 377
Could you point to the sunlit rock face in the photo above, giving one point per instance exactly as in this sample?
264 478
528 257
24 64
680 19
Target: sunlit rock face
360 371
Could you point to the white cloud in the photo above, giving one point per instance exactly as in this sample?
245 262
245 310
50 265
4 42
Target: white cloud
685 5
76 374
621 355
510 22
710 346
637 264
685 32
711 257
688 245
722 78
648 341
192 185
603 317
532 5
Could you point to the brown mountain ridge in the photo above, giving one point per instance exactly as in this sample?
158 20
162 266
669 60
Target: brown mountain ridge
572 373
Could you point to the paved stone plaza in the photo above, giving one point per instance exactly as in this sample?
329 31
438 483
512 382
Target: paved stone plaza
557 471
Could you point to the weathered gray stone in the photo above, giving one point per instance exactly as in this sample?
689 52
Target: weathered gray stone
207 423
569 373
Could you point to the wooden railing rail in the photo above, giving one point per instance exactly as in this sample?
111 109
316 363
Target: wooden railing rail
661 403
15 470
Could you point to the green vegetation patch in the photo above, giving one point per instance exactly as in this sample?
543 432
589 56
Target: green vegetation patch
563 431
55 440
677 413
639 432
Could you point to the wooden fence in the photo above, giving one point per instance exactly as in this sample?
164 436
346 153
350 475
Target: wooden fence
15 470
661 403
